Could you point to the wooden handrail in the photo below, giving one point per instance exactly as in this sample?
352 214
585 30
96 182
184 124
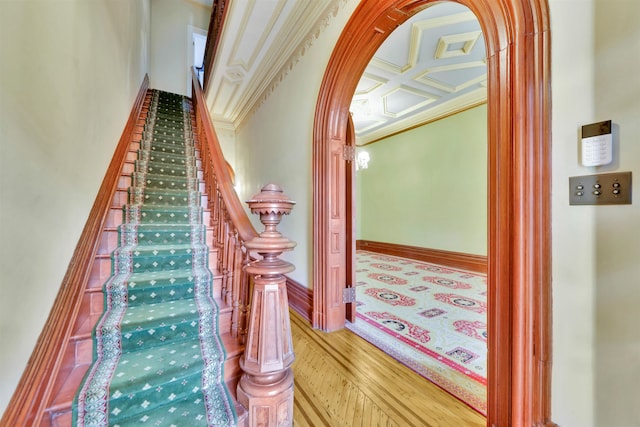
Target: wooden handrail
225 183
28 403
230 223
216 22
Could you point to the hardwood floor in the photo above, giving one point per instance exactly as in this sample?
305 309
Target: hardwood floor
342 380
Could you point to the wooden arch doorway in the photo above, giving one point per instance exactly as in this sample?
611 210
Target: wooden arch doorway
518 57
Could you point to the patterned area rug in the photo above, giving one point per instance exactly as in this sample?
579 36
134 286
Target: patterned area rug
157 354
429 317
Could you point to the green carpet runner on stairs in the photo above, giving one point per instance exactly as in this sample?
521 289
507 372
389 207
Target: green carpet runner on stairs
158 358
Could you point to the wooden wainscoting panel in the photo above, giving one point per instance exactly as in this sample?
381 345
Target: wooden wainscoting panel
300 298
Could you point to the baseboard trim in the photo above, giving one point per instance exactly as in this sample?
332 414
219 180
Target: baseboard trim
475 263
300 298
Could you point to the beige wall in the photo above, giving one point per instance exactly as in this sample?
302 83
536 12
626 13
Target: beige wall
595 249
616 261
572 227
170 20
427 187
275 144
69 72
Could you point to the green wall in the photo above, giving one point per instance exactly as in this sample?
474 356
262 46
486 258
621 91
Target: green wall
427 187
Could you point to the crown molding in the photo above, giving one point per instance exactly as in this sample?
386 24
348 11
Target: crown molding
446 109
258 97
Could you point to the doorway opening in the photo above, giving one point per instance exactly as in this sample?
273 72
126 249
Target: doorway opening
420 130
516 35
197 42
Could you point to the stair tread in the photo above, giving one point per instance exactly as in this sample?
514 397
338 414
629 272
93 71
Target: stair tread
166 158
169 414
168 176
153 227
164 275
144 250
162 208
173 191
85 327
64 396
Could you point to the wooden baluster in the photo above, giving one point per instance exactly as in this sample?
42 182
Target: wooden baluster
215 200
214 196
220 233
224 255
206 168
206 175
266 386
236 277
245 291
228 261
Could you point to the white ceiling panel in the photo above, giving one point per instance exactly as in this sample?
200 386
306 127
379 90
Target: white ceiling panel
431 66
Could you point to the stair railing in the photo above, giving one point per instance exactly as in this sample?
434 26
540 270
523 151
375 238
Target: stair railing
216 22
231 226
266 386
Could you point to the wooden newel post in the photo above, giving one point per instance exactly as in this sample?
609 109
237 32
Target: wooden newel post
266 386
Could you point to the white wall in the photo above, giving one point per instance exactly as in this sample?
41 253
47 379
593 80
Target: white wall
171 41
572 227
596 345
275 144
616 262
52 55
69 73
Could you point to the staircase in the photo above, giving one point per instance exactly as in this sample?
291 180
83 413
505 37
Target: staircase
161 261
173 237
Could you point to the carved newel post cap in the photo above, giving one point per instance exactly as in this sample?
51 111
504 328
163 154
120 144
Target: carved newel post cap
270 203
271 199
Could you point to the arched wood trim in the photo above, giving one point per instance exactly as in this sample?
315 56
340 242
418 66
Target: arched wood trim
518 53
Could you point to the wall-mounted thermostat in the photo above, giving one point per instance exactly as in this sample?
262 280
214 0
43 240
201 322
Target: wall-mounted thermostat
597 144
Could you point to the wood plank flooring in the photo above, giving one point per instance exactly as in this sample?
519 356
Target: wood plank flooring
342 380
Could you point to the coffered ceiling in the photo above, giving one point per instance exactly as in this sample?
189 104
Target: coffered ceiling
261 41
430 67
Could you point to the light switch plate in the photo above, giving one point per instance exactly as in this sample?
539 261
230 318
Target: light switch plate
601 189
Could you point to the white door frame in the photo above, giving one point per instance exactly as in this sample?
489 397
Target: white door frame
191 30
